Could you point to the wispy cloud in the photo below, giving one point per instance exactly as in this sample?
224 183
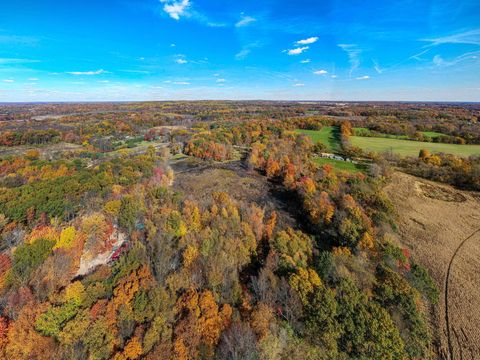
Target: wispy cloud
16 39
310 40
440 62
320 72
417 56
467 37
366 77
297 51
353 52
4 61
175 9
377 67
33 79
242 54
221 80
8 81
246 50
298 85
97 72
181 61
306 61
181 83
245 21
136 71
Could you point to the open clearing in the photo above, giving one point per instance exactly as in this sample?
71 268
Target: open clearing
45 150
338 164
411 148
326 135
441 226
202 179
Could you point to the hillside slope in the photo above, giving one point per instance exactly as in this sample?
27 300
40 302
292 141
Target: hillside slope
441 226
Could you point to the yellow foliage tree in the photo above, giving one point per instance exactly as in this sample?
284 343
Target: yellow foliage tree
366 242
189 255
75 292
112 207
305 282
133 350
67 237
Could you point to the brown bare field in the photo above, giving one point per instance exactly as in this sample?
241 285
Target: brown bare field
441 226
200 180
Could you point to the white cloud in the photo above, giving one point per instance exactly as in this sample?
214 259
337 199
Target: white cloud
221 80
321 72
306 61
334 76
104 81
181 61
310 40
298 85
173 45
298 51
353 53
471 37
175 9
8 81
366 77
33 79
245 20
98 72
181 83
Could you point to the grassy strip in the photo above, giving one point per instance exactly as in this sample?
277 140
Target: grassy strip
339 165
326 135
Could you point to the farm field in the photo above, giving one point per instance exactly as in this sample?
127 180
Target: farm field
361 131
453 236
411 148
326 135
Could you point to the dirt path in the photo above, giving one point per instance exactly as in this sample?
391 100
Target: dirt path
441 227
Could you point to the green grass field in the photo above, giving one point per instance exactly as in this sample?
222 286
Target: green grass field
432 134
411 148
339 165
326 135
360 131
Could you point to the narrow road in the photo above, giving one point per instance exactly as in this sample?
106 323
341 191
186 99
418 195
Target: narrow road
447 280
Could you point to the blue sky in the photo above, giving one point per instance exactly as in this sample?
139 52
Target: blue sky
90 50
